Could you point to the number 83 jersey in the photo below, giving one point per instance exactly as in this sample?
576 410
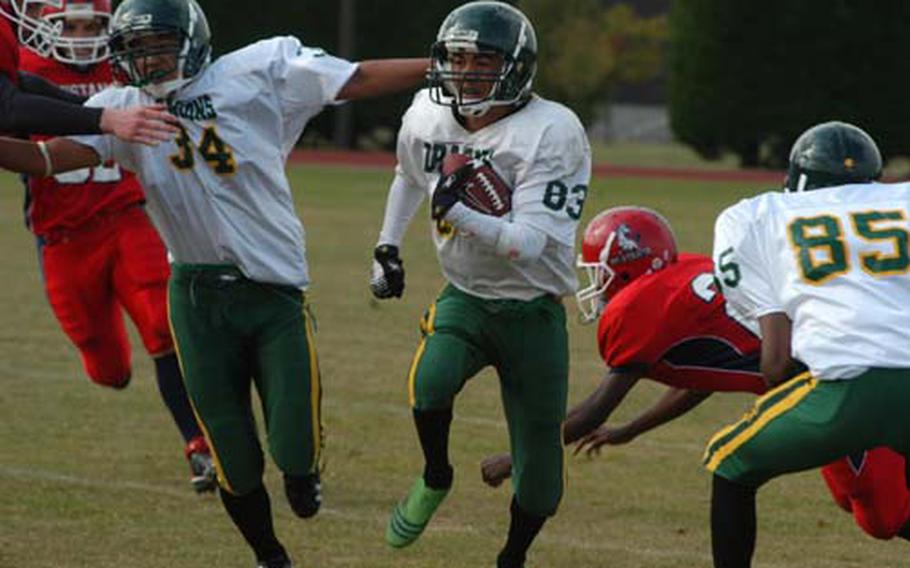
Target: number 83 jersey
836 261
542 152
218 193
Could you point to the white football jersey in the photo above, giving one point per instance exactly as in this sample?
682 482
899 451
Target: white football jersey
836 261
218 193
542 152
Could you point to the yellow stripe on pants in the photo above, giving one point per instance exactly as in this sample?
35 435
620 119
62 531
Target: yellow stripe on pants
426 327
761 420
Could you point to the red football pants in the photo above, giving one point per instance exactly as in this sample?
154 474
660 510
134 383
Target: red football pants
872 486
89 273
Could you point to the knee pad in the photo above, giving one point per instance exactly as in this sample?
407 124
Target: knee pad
304 493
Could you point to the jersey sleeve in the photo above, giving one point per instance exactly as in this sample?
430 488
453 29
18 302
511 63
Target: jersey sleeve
741 265
626 332
307 79
550 194
407 152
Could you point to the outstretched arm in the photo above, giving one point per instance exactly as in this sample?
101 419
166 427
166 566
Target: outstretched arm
58 156
379 77
583 418
38 85
673 404
44 112
600 404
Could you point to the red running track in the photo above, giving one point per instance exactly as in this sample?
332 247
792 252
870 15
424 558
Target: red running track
387 160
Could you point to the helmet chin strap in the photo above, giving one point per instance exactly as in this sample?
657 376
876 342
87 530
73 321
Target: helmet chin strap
165 88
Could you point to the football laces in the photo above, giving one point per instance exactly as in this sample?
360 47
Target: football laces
487 186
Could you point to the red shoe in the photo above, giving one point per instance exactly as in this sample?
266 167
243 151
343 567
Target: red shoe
202 467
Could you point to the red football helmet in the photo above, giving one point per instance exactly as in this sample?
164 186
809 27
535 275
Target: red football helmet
84 44
33 31
619 245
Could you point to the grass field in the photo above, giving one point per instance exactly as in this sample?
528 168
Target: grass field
94 478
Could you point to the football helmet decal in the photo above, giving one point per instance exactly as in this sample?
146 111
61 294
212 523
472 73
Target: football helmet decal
75 49
620 245
484 27
160 45
830 154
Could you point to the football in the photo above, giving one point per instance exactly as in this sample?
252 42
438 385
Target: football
483 190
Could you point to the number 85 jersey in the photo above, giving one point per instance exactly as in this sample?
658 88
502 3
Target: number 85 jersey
542 152
835 261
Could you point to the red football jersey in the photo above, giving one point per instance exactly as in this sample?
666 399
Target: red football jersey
674 323
69 200
9 51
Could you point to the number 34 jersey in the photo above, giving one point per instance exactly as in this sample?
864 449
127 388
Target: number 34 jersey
835 261
218 192
542 152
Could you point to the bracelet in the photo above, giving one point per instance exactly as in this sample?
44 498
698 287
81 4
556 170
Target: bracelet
48 164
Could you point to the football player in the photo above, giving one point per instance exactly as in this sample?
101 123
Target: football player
502 306
825 269
220 198
99 252
662 317
30 105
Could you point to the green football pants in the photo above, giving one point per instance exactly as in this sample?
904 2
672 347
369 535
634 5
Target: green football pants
527 343
231 333
807 423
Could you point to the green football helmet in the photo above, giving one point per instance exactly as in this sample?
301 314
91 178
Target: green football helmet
160 45
484 27
830 154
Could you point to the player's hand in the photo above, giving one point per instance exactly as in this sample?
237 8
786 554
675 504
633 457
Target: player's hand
387 278
603 436
143 124
448 190
496 469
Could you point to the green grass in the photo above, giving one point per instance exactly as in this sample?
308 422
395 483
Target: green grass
94 478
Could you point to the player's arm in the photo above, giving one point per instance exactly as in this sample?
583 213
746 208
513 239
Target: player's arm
582 419
387 276
27 113
547 199
37 85
600 404
673 404
777 363
45 159
745 273
374 78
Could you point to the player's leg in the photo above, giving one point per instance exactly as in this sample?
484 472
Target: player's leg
840 477
534 377
140 276
216 358
77 280
450 352
287 378
802 424
877 491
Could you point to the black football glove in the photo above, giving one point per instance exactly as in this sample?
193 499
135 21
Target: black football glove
387 279
448 191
